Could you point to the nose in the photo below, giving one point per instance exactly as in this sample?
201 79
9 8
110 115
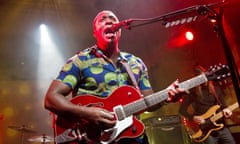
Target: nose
109 22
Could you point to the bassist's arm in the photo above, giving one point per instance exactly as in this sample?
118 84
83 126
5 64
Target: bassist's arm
226 112
188 100
183 110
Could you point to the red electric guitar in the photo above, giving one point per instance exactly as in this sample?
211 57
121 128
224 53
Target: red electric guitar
124 102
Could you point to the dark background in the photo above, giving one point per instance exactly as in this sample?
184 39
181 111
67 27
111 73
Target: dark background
26 70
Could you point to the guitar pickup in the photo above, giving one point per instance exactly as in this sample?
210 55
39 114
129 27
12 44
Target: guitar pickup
119 112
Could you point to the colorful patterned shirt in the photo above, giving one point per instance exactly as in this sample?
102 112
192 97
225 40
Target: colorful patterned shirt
90 72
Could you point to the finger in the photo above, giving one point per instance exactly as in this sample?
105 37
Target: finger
107 115
171 93
171 89
108 123
228 114
176 84
187 91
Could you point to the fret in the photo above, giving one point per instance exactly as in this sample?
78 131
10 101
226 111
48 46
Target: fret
158 97
220 114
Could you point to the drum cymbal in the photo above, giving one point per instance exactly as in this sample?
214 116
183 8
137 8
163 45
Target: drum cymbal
22 129
41 139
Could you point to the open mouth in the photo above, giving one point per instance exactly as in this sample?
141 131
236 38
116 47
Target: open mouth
109 34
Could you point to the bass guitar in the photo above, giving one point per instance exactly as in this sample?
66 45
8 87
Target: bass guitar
199 133
125 102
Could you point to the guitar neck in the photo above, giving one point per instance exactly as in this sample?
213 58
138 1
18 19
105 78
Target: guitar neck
158 97
220 114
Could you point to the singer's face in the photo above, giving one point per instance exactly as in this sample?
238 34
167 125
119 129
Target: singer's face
104 20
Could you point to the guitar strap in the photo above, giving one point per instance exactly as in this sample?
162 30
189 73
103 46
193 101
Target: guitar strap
130 73
134 82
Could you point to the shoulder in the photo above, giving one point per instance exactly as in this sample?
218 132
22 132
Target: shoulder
134 61
80 55
130 57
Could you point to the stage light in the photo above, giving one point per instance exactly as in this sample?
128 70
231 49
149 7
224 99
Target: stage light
50 58
159 119
146 112
171 23
181 38
189 35
180 100
212 20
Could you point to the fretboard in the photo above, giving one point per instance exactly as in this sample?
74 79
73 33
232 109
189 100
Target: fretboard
158 97
220 114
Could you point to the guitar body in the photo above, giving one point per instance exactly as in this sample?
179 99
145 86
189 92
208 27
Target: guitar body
82 130
199 133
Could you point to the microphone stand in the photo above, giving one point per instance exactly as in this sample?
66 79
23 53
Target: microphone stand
197 9
229 56
204 10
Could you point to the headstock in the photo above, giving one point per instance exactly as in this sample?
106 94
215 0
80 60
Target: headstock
218 72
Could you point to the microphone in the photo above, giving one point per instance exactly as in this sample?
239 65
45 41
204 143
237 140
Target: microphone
117 26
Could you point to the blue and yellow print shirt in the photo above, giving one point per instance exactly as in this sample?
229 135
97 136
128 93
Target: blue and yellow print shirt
88 72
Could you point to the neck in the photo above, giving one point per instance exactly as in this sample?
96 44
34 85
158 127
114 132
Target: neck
111 50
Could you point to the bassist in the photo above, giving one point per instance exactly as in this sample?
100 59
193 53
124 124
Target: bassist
201 99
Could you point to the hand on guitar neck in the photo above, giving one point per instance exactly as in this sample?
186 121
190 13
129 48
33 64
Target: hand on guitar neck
227 113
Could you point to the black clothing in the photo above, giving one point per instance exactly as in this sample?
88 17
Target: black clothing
201 99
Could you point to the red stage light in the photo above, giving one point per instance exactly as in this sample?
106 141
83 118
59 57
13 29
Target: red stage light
189 35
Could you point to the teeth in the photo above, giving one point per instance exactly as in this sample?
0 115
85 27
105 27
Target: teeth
109 34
